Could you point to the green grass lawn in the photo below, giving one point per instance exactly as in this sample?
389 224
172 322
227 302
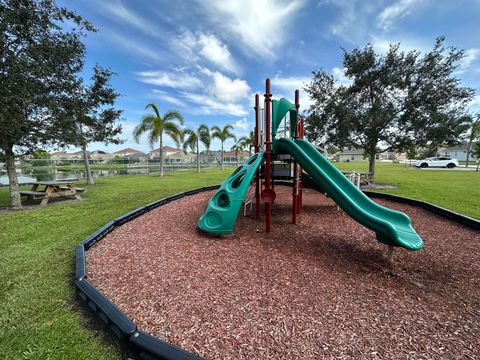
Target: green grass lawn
456 190
39 317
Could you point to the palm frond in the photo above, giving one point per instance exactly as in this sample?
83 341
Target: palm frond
173 115
204 135
154 108
145 125
171 129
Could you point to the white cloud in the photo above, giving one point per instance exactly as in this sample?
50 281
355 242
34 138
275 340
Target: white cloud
288 85
382 44
475 101
131 46
259 25
340 77
174 80
126 15
242 127
227 89
208 105
208 46
396 11
164 96
471 55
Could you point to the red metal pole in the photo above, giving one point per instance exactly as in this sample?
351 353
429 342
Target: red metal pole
268 155
300 185
295 164
257 149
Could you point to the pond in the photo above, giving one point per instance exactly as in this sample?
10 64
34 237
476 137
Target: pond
29 175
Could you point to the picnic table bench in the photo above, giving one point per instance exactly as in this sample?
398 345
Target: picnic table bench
52 189
359 177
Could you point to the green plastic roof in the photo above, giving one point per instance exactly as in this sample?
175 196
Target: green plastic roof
279 110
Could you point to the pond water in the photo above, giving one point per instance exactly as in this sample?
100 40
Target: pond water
46 174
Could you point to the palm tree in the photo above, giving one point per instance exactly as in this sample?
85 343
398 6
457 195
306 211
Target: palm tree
193 140
475 132
223 135
156 126
238 148
248 142
476 153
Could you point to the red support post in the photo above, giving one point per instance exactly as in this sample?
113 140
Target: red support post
268 156
295 164
300 185
257 149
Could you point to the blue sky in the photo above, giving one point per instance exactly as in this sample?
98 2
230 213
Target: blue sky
207 58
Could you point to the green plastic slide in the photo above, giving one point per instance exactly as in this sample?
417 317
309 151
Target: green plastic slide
223 208
391 227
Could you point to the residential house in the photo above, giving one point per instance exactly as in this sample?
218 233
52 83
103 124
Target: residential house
99 155
458 152
230 157
357 155
173 155
129 153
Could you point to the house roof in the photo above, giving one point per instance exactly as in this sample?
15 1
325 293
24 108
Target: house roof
128 150
167 148
352 152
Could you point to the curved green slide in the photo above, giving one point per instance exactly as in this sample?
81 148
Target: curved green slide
223 208
391 227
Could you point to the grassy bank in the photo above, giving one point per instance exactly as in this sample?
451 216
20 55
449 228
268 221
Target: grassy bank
39 317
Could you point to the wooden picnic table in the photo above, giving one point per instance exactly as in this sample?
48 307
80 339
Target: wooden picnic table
52 189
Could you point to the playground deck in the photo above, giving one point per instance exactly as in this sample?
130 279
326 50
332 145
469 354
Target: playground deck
319 289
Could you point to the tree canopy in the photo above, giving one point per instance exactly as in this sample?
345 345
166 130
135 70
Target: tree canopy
41 55
397 99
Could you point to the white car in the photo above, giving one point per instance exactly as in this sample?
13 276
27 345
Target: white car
440 161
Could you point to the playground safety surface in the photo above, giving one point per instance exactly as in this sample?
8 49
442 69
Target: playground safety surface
318 289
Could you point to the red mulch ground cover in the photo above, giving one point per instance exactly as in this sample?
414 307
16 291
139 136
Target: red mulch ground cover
321 289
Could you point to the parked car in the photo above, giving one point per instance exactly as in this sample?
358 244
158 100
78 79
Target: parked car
440 161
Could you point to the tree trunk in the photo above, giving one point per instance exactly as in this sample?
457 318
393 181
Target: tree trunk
198 157
15 200
469 146
371 165
161 155
238 159
88 172
221 162
478 165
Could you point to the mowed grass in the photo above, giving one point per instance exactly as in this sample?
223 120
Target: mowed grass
39 317
457 190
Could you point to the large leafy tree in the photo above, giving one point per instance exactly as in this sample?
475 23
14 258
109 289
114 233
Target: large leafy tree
39 60
223 134
396 100
91 109
193 138
156 126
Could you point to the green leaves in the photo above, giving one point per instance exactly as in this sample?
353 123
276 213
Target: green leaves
398 99
156 125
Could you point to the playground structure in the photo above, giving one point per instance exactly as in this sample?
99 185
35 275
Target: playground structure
285 154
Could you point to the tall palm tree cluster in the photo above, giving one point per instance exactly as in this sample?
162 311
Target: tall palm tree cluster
156 126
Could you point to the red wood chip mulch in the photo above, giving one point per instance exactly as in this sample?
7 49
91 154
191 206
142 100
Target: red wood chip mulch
321 289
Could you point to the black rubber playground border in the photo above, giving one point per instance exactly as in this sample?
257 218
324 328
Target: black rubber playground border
141 345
